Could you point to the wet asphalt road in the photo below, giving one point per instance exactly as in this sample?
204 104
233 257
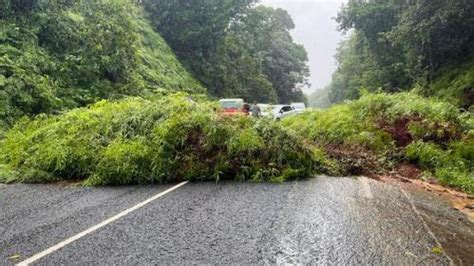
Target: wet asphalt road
319 221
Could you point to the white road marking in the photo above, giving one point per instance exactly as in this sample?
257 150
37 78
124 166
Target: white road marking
96 227
367 192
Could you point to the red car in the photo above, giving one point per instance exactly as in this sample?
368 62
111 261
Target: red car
231 107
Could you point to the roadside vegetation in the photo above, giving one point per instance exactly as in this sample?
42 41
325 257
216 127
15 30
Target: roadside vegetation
376 133
164 138
407 66
123 92
169 137
59 55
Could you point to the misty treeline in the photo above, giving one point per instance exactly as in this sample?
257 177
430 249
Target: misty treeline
234 47
61 54
397 45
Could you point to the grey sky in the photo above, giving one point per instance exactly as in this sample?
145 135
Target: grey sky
317 31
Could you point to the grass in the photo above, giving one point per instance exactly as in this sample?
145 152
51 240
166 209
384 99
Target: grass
381 130
166 137
110 53
6 174
169 137
455 84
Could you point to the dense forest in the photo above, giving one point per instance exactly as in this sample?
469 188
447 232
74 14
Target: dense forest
234 47
57 55
398 45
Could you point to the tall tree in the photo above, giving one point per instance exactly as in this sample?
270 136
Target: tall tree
403 43
235 48
238 73
373 20
194 29
435 34
266 31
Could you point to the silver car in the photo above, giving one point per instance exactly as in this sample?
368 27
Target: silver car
282 111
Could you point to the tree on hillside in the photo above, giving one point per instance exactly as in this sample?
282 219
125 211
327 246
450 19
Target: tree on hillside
16 8
51 59
236 72
435 34
234 48
380 63
10 8
397 43
194 29
266 32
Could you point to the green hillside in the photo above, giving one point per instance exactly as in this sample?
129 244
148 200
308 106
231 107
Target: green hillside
455 84
65 54
395 46
378 132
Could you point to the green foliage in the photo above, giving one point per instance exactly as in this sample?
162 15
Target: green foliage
396 44
205 24
157 64
427 131
247 140
397 105
340 124
23 87
235 48
455 84
236 73
162 138
9 8
452 166
266 33
358 67
428 155
6 174
64 54
435 34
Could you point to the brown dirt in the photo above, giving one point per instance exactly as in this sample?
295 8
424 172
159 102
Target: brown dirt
398 129
354 160
459 200
409 171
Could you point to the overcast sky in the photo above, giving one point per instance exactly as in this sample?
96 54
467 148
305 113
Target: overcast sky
317 31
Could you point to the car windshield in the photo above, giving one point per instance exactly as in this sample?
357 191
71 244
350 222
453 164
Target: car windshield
284 108
231 104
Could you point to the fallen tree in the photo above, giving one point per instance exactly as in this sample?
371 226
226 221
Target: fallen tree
163 138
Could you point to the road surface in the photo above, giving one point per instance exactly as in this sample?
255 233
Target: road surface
318 221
